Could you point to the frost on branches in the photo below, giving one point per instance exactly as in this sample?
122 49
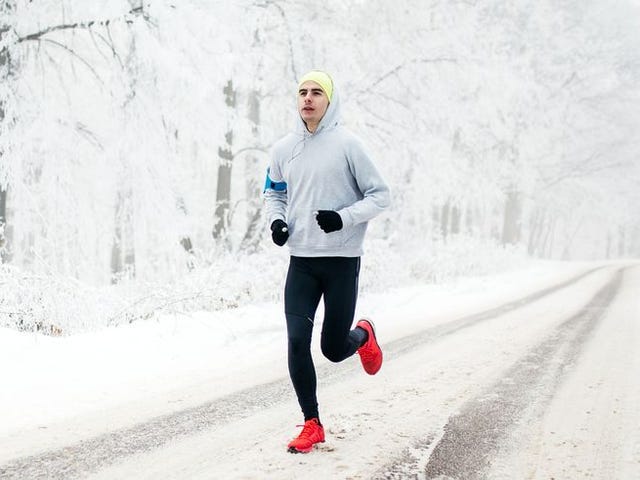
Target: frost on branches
134 138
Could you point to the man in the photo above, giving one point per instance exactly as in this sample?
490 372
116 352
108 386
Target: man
321 190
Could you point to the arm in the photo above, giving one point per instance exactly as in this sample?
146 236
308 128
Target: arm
275 194
376 194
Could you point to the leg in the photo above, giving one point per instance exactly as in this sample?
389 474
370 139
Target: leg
340 285
301 297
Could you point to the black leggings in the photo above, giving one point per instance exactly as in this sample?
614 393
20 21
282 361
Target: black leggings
309 278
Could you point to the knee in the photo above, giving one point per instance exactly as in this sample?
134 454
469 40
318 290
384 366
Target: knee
299 344
331 352
298 334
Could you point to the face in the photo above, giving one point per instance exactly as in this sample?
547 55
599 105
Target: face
312 104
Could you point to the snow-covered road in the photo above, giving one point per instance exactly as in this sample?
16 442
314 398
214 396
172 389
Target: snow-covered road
538 382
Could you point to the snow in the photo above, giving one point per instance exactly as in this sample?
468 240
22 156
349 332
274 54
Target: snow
113 158
122 124
588 430
62 390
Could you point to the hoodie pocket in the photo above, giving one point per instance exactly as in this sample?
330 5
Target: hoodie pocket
305 232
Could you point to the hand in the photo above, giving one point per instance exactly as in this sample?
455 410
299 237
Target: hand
329 220
279 232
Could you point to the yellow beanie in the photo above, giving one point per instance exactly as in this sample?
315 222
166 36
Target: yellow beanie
321 78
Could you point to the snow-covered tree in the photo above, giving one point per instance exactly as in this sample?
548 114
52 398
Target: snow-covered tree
134 136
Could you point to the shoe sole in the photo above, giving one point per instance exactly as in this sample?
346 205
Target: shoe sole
296 450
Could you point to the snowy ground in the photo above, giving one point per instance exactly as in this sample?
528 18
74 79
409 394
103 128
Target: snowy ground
484 378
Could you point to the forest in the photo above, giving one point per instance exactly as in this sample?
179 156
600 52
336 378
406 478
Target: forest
135 135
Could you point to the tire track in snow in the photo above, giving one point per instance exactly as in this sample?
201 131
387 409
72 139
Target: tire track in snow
413 341
471 437
91 455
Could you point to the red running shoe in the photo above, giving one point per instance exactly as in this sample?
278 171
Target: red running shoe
370 353
312 433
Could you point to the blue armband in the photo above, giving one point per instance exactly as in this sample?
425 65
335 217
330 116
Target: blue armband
271 185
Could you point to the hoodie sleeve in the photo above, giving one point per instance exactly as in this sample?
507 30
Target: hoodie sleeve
376 194
275 199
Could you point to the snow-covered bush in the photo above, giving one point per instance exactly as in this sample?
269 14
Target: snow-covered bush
58 305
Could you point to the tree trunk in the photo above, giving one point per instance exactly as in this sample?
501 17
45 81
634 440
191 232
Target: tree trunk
223 188
185 240
511 227
469 219
567 250
548 243
455 220
123 257
4 237
444 221
252 235
634 241
536 231
435 221
5 229
5 70
622 242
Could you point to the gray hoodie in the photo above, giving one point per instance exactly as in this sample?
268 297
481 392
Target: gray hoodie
325 170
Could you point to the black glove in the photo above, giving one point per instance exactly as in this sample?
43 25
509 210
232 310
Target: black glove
279 232
329 220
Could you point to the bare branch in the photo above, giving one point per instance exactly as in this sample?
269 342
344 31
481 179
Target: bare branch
72 52
250 149
587 168
289 39
395 70
413 61
35 36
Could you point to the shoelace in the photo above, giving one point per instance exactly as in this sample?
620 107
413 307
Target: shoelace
307 429
366 352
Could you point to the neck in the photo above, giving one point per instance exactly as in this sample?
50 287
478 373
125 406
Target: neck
312 127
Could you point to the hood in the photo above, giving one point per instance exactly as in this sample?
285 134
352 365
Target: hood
330 120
